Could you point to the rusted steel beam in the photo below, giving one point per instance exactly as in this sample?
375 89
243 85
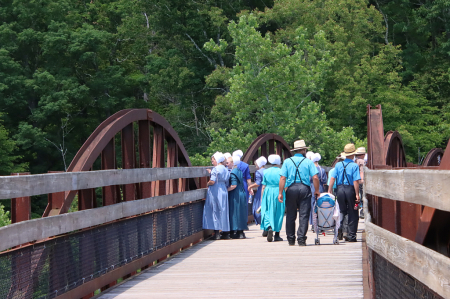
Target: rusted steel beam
144 156
55 201
263 150
172 161
108 160
279 150
95 144
158 161
86 199
271 147
128 159
21 206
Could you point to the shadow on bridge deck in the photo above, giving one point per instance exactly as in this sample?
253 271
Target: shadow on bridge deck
253 268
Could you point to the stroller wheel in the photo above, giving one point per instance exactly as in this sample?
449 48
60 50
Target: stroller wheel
317 241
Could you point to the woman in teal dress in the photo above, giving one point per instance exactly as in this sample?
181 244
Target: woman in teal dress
272 210
237 201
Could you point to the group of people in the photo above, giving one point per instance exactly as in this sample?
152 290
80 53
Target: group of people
289 188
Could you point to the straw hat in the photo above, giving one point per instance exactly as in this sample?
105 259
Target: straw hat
349 150
299 144
361 151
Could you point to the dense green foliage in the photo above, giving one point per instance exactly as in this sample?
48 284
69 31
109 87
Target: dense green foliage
222 72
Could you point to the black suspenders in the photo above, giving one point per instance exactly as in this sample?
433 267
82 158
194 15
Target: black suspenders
345 173
297 172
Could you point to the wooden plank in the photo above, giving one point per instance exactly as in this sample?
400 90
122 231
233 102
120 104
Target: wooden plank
424 264
252 268
39 229
29 185
423 187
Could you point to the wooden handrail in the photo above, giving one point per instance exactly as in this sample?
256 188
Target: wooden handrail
423 187
42 228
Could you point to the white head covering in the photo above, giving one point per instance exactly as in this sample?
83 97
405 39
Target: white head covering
309 155
219 157
261 161
365 158
238 153
275 159
316 157
227 155
236 160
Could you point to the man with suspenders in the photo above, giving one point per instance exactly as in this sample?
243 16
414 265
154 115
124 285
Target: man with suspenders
347 178
295 175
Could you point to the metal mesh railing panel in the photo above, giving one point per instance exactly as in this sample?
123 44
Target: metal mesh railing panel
391 282
51 268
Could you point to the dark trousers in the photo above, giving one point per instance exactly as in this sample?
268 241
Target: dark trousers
298 196
346 198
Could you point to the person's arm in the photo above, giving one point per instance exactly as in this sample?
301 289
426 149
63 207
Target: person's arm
330 186
316 186
210 183
231 188
262 191
281 187
356 185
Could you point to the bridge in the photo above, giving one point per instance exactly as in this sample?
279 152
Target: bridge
146 238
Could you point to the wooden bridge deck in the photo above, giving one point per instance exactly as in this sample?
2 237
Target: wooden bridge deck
253 268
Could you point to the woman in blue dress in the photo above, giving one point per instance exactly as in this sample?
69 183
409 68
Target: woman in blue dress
322 181
245 173
272 210
259 174
237 202
215 211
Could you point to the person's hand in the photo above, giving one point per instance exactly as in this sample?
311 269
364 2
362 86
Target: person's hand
251 191
280 198
209 170
317 194
357 198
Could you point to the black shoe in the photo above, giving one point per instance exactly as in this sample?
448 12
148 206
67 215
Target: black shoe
225 236
351 240
277 237
265 233
270 235
291 242
361 215
240 234
340 235
216 235
301 243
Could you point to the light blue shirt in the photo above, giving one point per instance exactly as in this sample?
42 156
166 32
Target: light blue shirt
306 170
330 175
351 169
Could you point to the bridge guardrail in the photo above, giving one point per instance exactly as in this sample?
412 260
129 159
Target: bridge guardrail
422 187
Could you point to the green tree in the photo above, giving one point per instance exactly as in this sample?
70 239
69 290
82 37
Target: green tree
4 217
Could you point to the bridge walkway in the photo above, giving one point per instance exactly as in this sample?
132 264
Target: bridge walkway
253 268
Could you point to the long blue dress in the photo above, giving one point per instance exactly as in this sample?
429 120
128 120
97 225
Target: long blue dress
259 174
272 211
246 175
322 181
237 202
215 211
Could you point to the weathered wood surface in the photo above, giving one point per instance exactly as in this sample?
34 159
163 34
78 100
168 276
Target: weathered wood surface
253 268
29 185
424 187
427 266
39 229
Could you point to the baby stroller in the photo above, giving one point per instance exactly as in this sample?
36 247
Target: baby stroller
326 216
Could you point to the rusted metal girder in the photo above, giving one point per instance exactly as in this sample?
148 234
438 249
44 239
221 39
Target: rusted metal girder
20 207
100 142
259 148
